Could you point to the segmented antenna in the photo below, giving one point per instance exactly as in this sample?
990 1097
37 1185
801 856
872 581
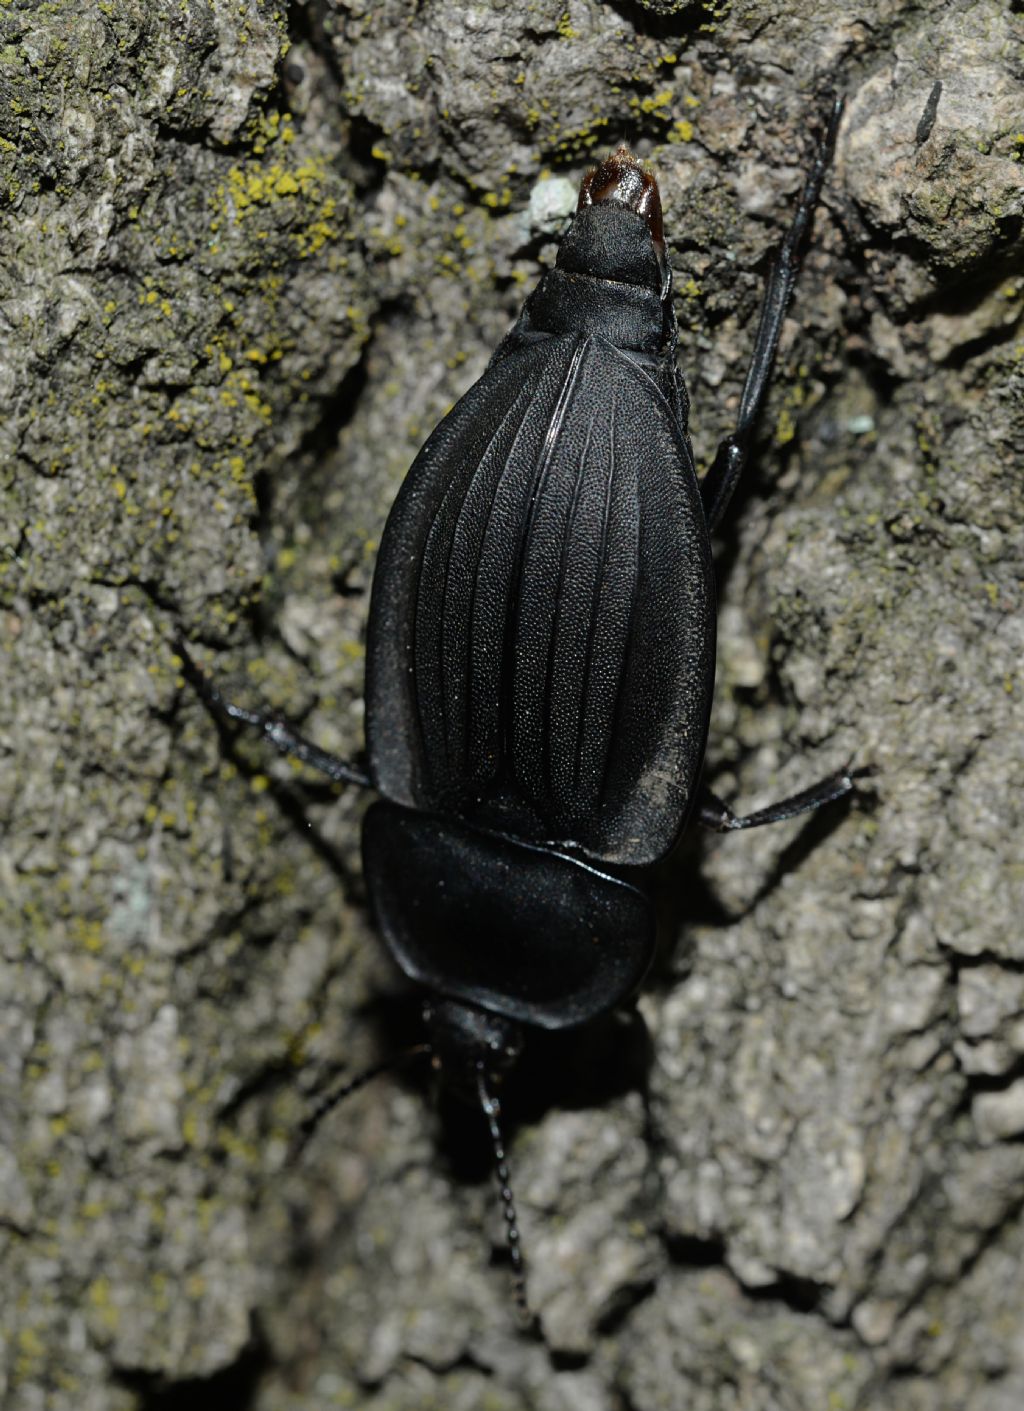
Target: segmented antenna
326 1104
492 1111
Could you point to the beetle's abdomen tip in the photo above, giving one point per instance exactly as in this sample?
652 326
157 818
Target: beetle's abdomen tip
624 179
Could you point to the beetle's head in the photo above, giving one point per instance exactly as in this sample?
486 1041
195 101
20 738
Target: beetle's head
465 1041
474 1048
622 183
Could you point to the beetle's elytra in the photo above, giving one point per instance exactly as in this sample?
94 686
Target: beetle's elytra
541 650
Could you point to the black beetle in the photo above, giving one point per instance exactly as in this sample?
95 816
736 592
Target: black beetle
541 652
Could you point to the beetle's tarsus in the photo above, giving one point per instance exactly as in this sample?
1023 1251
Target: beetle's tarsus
276 731
731 457
715 814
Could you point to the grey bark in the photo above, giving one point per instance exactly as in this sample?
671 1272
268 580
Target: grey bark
249 256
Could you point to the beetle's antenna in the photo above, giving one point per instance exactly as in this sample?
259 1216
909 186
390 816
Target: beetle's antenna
327 1104
491 1108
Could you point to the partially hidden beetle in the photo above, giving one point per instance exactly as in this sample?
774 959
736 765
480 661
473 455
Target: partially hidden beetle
541 652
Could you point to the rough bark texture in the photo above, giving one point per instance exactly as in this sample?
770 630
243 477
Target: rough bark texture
249 253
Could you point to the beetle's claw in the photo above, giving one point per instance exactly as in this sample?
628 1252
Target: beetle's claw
853 770
859 773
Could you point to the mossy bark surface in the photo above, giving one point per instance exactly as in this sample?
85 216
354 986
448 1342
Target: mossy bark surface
249 254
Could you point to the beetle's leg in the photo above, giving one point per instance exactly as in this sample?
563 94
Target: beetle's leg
720 481
713 813
277 731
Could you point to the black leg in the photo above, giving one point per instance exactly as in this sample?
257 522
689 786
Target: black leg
279 733
714 814
720 481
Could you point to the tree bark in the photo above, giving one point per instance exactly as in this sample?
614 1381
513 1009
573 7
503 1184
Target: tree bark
249 255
